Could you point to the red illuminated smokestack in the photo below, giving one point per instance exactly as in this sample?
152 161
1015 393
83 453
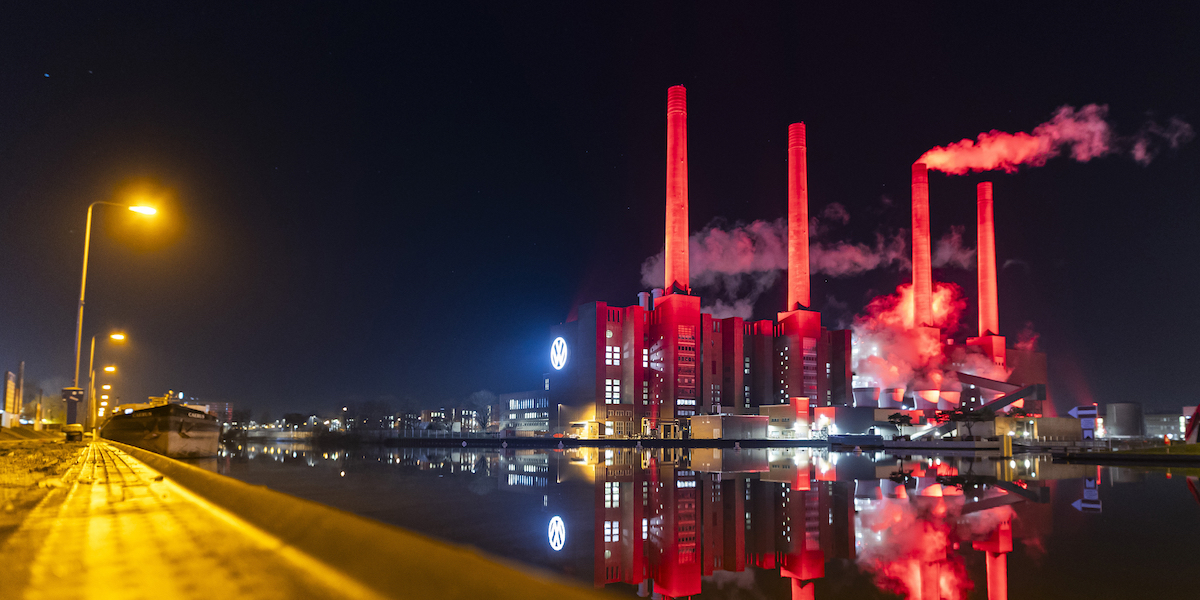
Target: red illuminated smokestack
989 319
677 189
798 290
922 270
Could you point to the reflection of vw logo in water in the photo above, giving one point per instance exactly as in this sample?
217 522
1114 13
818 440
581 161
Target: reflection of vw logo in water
558 353
558 533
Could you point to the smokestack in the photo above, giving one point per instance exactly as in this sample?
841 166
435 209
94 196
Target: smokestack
677 190
798 284
922 270
989 318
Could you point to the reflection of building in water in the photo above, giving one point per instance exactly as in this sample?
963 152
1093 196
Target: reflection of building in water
665 522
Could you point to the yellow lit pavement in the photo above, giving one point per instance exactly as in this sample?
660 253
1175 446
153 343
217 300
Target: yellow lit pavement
117 529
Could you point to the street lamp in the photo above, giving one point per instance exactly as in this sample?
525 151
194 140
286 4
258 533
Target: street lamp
87 240
91 389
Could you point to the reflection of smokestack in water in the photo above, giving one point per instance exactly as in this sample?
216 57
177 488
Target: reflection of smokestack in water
989 319
798 285
921 267
677 190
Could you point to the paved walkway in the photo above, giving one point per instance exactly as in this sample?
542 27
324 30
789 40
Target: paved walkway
118 529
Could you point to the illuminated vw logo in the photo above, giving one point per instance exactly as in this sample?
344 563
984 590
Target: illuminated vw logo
558 532
558 353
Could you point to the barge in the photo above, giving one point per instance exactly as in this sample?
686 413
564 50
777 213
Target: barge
173 430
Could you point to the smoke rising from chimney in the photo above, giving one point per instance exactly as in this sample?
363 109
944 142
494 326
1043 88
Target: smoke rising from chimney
949 251
1083 134
733 265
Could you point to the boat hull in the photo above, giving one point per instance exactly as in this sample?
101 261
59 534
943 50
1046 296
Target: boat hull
171 430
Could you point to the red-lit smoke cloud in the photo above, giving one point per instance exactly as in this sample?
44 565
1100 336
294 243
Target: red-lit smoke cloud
1083 134
908 540
1027 338
732 265
888 352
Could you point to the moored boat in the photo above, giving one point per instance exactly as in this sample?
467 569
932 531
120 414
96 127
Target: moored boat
174 430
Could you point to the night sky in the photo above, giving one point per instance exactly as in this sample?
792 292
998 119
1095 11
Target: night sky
397 201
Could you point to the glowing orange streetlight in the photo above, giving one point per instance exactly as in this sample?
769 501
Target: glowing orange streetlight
87 240
110 369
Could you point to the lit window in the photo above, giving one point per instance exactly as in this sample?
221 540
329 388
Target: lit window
612 391
612 356
608 430
612 494
612 531
645 358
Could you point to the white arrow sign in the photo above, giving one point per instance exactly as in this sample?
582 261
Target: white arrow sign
1082 410
1087 505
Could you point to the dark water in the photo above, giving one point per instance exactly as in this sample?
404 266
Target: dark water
774 523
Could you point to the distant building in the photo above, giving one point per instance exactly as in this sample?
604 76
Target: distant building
525 414
222 410
408 420
1171 425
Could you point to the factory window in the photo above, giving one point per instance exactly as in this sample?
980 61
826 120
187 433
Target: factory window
687 332
612 531
645 392
608 430
512 416
645 358
612 356
612 391
747 365
645 528
612 494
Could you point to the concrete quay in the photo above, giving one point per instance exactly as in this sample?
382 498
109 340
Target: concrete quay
124 523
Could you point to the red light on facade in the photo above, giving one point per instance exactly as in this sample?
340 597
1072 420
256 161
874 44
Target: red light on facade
798 266
676 253
922 268
989 319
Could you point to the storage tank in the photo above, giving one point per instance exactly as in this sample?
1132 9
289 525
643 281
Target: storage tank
891 398
1123 419
866 396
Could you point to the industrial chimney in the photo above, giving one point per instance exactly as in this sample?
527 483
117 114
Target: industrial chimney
989 318
921 267
677 191
798 266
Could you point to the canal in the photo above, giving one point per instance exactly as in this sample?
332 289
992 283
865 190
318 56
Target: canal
772 523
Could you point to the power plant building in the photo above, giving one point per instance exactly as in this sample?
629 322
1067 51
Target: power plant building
647 368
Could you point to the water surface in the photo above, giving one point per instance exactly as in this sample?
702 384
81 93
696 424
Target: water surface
772 523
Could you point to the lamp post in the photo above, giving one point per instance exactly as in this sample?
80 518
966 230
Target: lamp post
87 239
91 388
